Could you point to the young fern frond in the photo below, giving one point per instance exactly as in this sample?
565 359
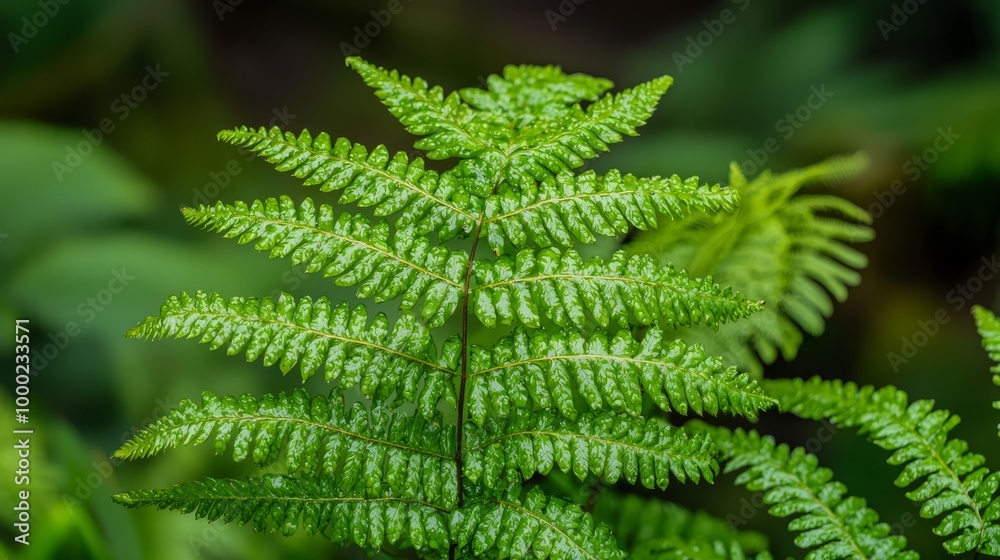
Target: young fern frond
347 248
787 249
832 523
608 445
656 530
949 479
556 369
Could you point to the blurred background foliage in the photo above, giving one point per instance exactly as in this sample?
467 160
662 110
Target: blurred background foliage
85 213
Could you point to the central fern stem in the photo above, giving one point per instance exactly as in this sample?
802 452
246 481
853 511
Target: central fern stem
465 362
464 370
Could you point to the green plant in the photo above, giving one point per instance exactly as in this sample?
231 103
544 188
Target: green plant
522 438
563 390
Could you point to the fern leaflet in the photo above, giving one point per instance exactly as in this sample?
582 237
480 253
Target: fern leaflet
833 524
608 445
339 340
612 372
949 479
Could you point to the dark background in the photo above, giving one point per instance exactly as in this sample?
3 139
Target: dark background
66 232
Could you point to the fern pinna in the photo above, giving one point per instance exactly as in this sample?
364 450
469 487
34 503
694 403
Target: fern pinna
444 455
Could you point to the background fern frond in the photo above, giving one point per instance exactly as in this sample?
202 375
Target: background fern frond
950 480
385 450
621 290
651 529
832 523
548 370
285 504
790 250
989 329
576 207
390 184
608 445
348 248
339 340
450 127
537 527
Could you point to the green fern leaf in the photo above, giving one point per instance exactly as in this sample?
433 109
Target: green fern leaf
538 527
605 444
652 529
450 127
286 504
548 369
949 479
557 211
339 340
621 290
385 450
831 522
347 248
787 249
389 184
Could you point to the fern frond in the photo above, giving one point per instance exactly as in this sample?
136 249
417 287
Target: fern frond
384 450
389 184
651 529
950 480
608 445
621 290
549 369
989 329
831 522
347 248
568 207
537 527
450 127
286 504
339 340
549 146
788 249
